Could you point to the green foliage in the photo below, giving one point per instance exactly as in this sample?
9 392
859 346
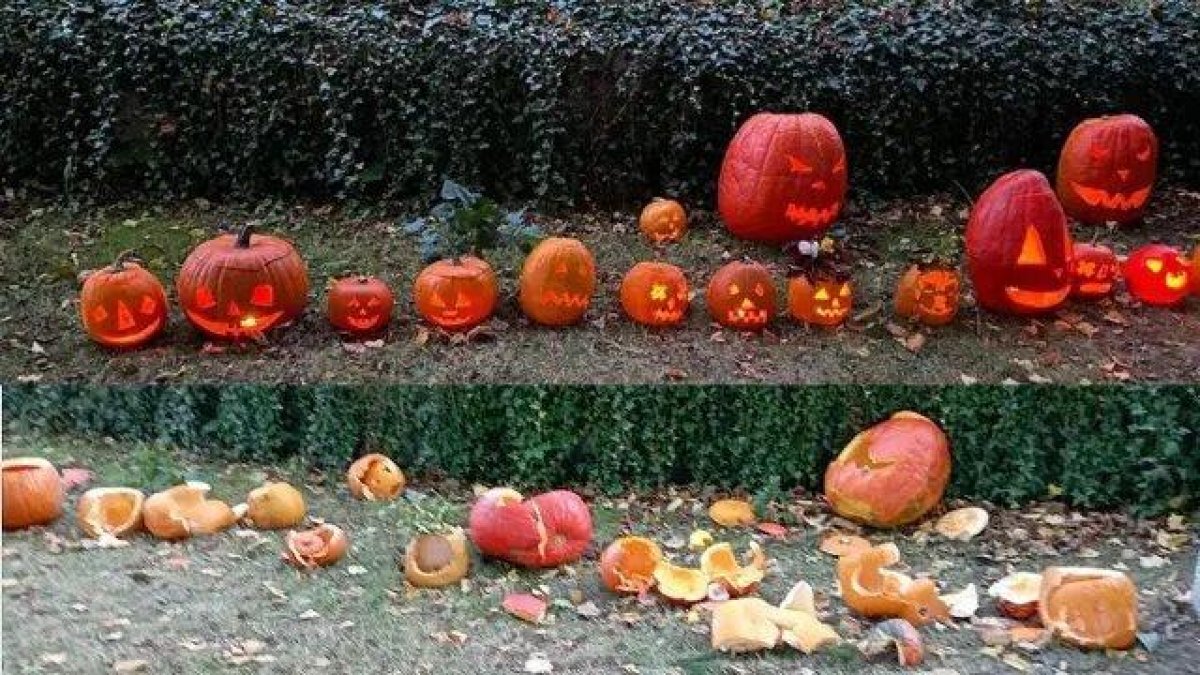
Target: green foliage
466 222
1119 446
567 101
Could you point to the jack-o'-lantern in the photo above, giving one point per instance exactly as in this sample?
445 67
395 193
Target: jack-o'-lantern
456 293
547 530
741 296
929 294
655 294
1018 247
360 305
1094 271
783 178
1158 275
663 220
123 305
1107 169
557 282
1196 269
33 492
241 286
824 301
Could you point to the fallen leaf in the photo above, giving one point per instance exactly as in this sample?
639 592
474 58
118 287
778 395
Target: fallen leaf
588 610
774 530
73 478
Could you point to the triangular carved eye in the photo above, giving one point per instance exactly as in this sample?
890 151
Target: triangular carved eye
436 300
1143 155
840 167
821 294
462 301
845 292
99 314
373 303
1154 264
658 292
204 298
734 290
1032 251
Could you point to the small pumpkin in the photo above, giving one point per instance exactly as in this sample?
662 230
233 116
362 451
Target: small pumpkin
1107 169
627 565
375 477
873 591
655 294
123 305
557 282
547 530
111 511
33 492
680 585
663 220
741 296
437 560
275 506
929 294
241 286
360 305
320 546
1158 275
456 293
1094 271
1089 607
185 511
823 301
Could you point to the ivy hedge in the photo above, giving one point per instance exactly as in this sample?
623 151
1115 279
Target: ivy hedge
566 100
1102 446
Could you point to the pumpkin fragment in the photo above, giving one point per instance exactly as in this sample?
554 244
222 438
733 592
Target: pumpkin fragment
375 477
627 565
525 607
720 565
680 585
895 634
743 625
185 511
873 591
320 546
732 512
838 544
110 512
32 492
699 540
962 524
275 506
1089 607
437 560
1017 594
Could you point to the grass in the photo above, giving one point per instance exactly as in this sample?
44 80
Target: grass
207 605
43 251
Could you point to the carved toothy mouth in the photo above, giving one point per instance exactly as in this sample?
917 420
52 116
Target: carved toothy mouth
137 336
1095 287
746 317
243 327
1036 299
1121 201
936 305
565 299
666 315
451 318
808 217
830 312
363 322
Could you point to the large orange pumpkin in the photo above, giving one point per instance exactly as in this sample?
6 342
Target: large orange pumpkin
655 294
1107 169
892 473
241 286
456 293
663 220
557 282
33 492
741 296
1089 607
783 178
1018 247
546 530
360 305
929 294
123 305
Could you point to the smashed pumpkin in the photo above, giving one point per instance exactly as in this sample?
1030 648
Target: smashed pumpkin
546 530
1089 607
110 512
721 566
185 511
873 591
320 546
627 565
437 560
732 512
680 585
375 477
1017 594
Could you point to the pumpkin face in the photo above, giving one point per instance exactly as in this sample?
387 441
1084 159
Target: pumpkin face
741 296
1107 169
1018 247
1094 271
238 287
1158 275
783 178
123 306
891 474
456 294
928 294
547 530
33 492
824 302
655 294
360 305
557 282
663 220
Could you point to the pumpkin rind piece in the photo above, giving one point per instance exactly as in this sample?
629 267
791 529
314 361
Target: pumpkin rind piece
1089 607
113 512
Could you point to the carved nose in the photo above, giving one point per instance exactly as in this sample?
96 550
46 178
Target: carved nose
1124 174
818 185
747 303
233 309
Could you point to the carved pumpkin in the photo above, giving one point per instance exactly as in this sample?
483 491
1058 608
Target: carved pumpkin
320 546
627 565
375 477
33 492
741 296
360 305
875 592
663 220
1089 607
1107 169
238 287
547 530
892 473
1094 271
1196 269
1158 275
783 178
929 294
437 560
456 294
557 282
110 512
123 305
275 506
655 294
185 511
825 301
1018 247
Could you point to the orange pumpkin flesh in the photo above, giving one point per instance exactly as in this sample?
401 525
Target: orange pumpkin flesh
929 294
962 524
680 585
655 294
1017 595
1089 607
123 306
33 492
557 282
663 220
436 560
360 305
456 294
627 565
873 591
184 511
741 296
821 302
375 477
320 546
892 473
112 512
732 513
721 566
275 506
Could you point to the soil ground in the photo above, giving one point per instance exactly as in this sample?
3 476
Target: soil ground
44 250
227 604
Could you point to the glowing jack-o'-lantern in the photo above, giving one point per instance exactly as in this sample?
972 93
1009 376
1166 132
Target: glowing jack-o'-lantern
361 305
123 305
241 286
655 294
1018 247
783 178
928 294
456 294
1094 271
741 295
1158 275
557 282
1196 270
821 302
1107 169
663 220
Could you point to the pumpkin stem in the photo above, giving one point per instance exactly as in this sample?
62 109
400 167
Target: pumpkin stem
243 236
123 257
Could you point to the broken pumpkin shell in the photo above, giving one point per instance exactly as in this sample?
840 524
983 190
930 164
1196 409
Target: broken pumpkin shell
680 585
525 607
375 477
437 560
962 524
111 511
627 565
275 506
1017 594
873 591
185 511
898 634
699 540
720 565
962 604
744 625
1089 607
320 546
732 512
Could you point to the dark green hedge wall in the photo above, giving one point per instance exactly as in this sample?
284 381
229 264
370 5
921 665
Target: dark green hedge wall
565 100
1135 446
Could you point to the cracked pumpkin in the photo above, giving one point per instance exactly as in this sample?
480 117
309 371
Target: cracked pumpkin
547 530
